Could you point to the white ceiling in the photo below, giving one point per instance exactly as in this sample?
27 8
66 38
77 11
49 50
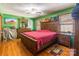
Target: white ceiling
33 9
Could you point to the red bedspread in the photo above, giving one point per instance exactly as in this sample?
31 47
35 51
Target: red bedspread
42 36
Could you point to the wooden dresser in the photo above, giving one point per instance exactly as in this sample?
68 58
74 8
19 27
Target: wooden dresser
64 40
66 26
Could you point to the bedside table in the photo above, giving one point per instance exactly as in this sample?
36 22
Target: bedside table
65 39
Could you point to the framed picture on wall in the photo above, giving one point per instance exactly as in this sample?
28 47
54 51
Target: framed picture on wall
10 22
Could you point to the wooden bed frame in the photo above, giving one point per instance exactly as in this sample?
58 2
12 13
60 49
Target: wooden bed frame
31 43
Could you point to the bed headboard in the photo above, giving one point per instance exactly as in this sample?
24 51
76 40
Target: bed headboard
52 26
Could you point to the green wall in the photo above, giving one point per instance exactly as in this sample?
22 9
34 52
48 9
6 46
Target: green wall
4 16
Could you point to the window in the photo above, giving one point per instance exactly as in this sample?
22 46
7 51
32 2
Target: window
66 23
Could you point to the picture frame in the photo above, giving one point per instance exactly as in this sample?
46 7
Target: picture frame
10 22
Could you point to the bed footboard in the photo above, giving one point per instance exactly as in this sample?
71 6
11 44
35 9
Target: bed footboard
30 44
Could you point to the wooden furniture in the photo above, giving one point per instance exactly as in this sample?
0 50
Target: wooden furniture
23 22
76 40
66 24
22 30
30 43
66 39
51 25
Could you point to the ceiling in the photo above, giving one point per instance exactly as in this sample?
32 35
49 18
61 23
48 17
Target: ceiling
33 9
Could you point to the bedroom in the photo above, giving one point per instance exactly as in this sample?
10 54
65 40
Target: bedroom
42 29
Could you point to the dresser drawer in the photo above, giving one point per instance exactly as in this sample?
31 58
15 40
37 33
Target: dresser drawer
61 36
64 39
65 43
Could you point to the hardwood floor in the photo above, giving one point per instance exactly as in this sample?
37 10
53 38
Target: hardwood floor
16 48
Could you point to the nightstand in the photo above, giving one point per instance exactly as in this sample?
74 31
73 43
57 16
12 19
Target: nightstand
66 39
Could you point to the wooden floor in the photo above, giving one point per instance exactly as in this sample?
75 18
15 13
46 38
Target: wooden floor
16 48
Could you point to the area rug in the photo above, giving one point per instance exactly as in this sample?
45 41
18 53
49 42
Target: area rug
55 50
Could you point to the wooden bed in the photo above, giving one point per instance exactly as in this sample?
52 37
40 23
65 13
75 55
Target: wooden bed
31 43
